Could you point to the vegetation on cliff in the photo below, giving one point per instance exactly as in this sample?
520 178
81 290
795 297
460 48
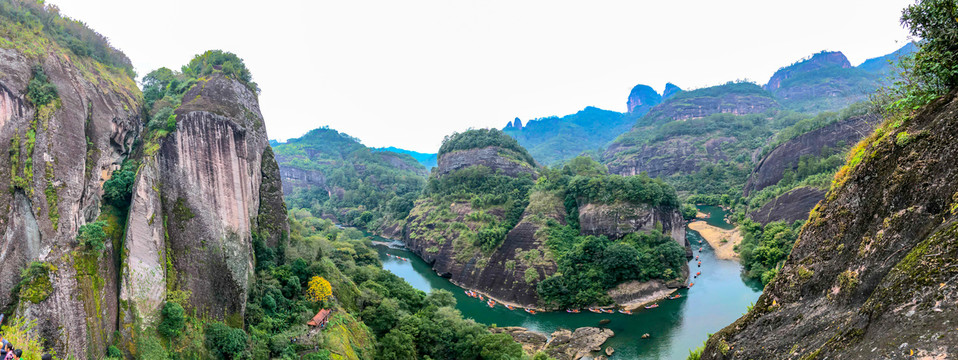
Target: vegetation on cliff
35 16
481 138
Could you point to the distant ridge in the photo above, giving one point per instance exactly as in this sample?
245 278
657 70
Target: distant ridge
427 160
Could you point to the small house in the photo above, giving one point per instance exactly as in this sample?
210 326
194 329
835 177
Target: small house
320 320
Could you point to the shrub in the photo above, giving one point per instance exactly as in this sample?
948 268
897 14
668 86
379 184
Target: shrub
226 62
22 333
35 284
225 342
174 318
113 352
118 190
40 91
92 236
150 348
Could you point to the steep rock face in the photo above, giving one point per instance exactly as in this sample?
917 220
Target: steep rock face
296 178
873 272
772 167
643 98
818 61
617 220
500 273
736 99
670 156
790 206
58 158
490 157
215 183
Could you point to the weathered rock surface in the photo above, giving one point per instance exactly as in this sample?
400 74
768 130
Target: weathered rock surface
573 345
842 134
56 161
737 99
677 155
297 178
790 206
562 344
617 220
873 272
632 295
492 157
215 184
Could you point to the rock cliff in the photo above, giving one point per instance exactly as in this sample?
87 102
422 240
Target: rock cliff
731 98
825 81
642 98
788 207
824 59
495 158
873 272
211 186
59 155
839 135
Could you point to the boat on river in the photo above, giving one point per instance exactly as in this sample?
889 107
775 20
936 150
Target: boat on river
691 284
533 312
491 303
700 264
627 312
572 311
597 311
510 307
653 306
607 311
470 293
674 297
481 298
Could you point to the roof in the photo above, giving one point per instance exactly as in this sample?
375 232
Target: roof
320 316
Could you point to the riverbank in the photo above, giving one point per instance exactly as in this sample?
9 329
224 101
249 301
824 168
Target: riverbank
723 241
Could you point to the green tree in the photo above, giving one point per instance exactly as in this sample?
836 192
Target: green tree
174 318
397 345
225 342
92 236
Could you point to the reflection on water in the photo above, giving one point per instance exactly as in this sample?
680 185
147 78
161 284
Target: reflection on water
718 298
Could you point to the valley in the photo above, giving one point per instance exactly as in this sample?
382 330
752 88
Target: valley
151 216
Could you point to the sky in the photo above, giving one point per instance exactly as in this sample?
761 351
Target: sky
407 73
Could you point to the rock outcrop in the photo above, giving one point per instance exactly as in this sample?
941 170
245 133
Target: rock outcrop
789 207
57 157
826 81
493 157
873 272
561 344
838 135
677 155
212 184
617 220
642 98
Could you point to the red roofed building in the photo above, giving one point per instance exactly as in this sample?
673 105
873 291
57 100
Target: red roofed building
321 318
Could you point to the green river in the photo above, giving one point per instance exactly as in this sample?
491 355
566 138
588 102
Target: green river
719 297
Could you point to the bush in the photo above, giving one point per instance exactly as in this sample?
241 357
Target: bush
150 348
23 334
217 60
113 352
480 138
174 318
40 91
225 342
92 236
118 190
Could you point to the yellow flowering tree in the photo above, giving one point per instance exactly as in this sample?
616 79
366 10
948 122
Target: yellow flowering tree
319 289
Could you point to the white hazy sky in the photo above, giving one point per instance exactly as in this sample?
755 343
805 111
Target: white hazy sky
407 73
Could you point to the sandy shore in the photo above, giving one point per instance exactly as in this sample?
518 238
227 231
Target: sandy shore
715 236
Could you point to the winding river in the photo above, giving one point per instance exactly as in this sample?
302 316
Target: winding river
719 297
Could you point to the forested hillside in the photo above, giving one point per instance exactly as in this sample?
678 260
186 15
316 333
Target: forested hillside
336 177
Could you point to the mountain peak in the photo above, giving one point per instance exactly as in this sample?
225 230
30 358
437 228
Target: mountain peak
643 97
670 89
